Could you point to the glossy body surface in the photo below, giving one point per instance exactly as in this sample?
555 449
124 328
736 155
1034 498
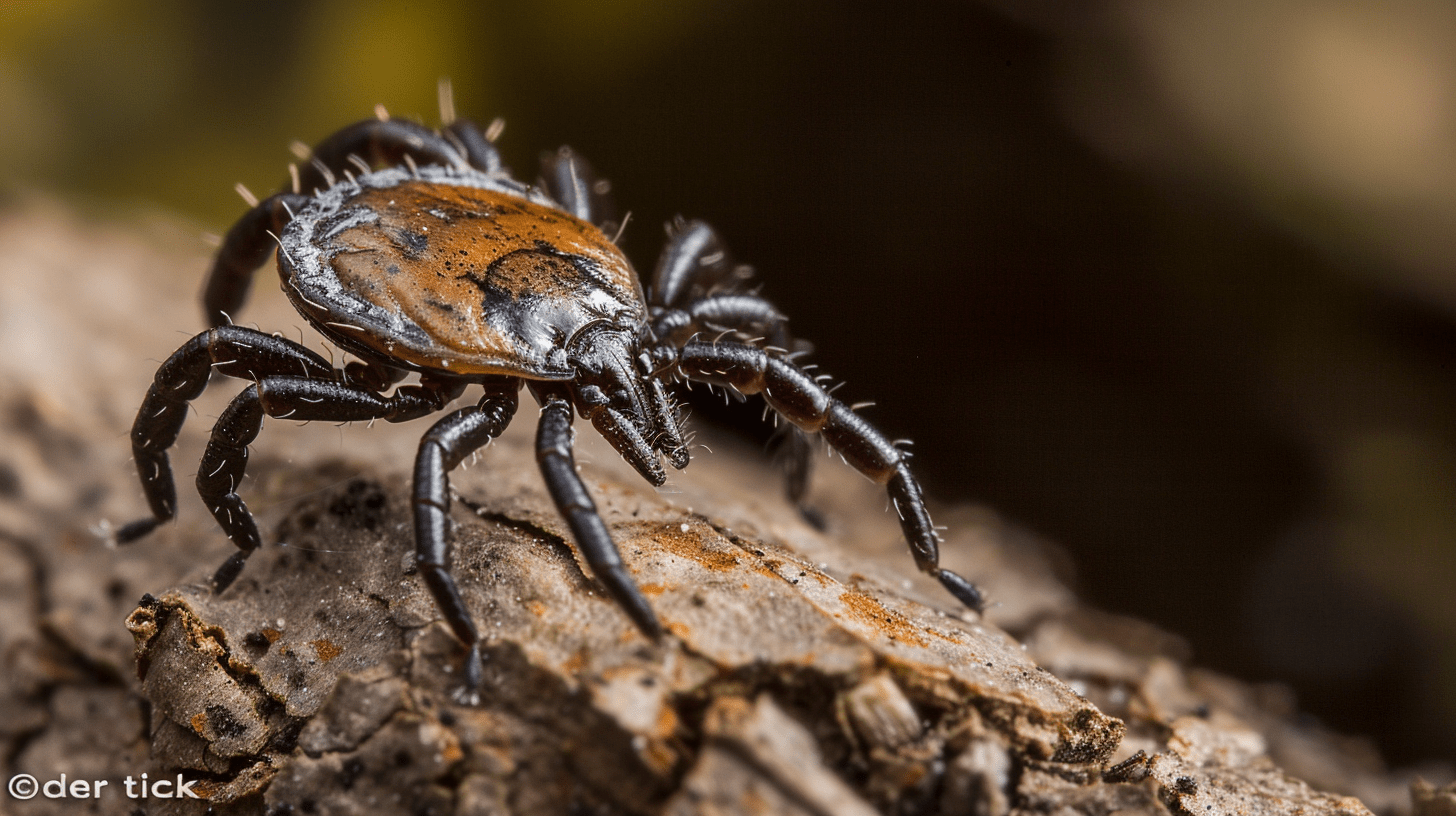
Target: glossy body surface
433 260
455 270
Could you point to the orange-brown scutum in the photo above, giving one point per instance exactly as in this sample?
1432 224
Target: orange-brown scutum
441 254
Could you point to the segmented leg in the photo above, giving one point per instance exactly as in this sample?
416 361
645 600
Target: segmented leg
378 143
695 290
752 316
479 151
293 382
373 375
558 468
233 350
692 264
796 457
796 397
249 243
298 398
443 447
749 315
575 186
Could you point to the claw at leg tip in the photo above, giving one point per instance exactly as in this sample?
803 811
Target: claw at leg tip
964 591
469 693
678 458
647 623
228 572
132 531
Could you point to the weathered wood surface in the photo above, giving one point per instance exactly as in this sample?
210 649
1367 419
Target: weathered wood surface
807 672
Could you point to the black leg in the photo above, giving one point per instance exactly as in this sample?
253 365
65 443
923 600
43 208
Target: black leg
798 398
697 287
558 468
298 398
796 458
571 181
218 476
373 375
695 291
293 382
374 142
248 244
481 154
692 265
378 143
443 447
234 351
749 315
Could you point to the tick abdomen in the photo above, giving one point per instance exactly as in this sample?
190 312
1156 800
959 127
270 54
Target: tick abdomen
455 270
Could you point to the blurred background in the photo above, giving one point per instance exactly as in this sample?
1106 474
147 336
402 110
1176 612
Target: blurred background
1172 283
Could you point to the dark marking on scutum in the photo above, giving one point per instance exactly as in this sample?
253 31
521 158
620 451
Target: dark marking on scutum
526 271
413 243
507 263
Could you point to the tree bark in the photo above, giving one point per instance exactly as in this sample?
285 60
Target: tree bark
805 672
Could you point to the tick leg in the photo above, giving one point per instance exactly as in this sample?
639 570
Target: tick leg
796 458
572 182
443 447
220 472
749 315
478 149
753 317
372 375
378 143
298 398
694 291
233 350
798 398
558 468
248 244
693 263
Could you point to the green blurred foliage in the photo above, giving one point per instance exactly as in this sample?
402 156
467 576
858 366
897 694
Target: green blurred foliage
173 102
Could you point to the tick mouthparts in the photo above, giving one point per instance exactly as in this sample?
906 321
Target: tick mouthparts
602 357
669 438
623 435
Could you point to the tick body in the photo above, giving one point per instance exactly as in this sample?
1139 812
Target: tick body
417 252
456 271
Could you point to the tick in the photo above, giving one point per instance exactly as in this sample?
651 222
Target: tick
414 250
